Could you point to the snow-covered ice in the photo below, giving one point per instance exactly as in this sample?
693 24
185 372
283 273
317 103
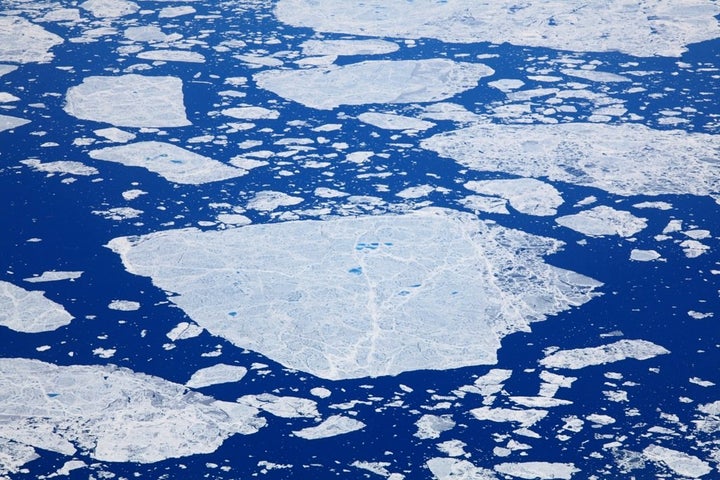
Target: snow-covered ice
330 427
22 41
602 220
219 373
30 311
612 352
526 195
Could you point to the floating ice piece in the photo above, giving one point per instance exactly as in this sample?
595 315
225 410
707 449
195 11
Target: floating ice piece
526 195
283 407
268 200
679 462
68 167
149 33
348 47
169 161
644 255
331 427
173 12
14 455
114 414
481 203
539 470
609 26
8 97
626 159
5 69
599 419
388 121
453 469
220 373
22 41
392 292
110 8
539 401
379 81
183 331
416 192
613 352
595 75
251 113
693 248
115 134
8 122
53 276
129 101
30 311
431 426
119 213
172 56
124 305
602 220
525 418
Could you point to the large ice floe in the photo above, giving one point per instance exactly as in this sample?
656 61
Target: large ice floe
377 81
30 311
22 41
113 414
169 161
366 296
129 101
628 159
600 27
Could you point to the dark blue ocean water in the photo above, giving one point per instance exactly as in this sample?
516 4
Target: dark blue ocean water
642 300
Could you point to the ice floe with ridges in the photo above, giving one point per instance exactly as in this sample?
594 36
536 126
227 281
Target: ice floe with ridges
394 289
614 352
376 81
600 27
22 41
30 311
627 159
113 414
129 101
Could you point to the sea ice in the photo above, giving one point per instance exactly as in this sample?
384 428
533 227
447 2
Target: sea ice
165 55
110 8
389 121
526 195
173 12
113 414
626 159
283 407
14 455
378 81
614 352
53 276
538 470
269 200
251 113
348 47
129 101
22 41
526 417
679 462
366 296
8 122
602 220
455 469
639 255
219 373
608 26
68 167
331 427
169 161
30 311
431 426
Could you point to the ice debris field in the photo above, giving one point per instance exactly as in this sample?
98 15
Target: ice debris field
383 239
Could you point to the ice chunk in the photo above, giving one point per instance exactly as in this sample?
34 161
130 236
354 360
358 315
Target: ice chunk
14 455
124 305
595 75
539 470
22 41
602 220
525 418
8 122
220 373
613 352
679 462
68 167
526 195
183 331
284 407
454 469
53 276
165 55
627 159
431 426
390 121
169 161
348 47
331 427
365 296
639 255
30 311
129 101
268 200
115 134
251 113
609 26
110 8
114 414
173 12
379 81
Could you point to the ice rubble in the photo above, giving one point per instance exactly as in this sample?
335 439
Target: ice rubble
627 159
559 25
366 296
614 352
22 41
377 81
114 414
30 311
129 101
170 161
